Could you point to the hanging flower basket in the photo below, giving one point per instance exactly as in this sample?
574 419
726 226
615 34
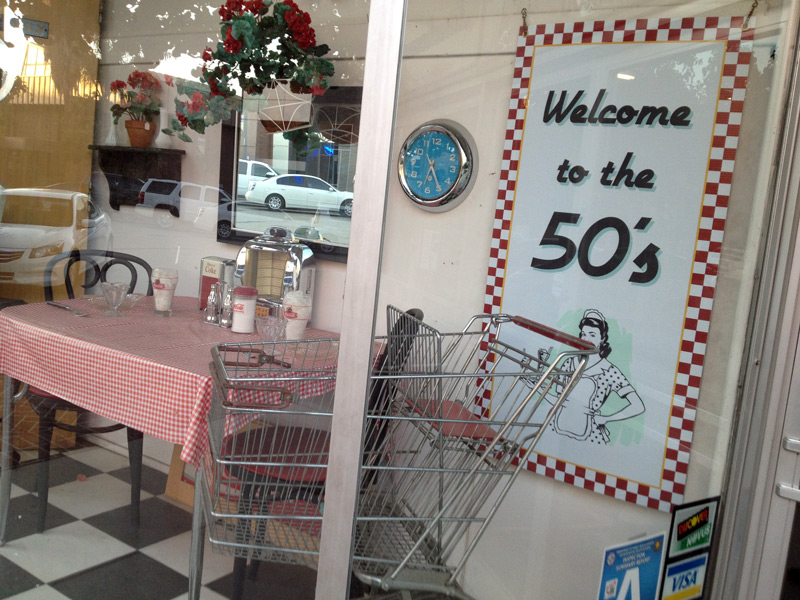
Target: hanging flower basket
262 45
282 107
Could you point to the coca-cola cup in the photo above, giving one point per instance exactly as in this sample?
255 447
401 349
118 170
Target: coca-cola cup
297 312
164 283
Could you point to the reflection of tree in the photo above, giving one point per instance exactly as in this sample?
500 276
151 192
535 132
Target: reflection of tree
191 19
54 120
694 75
73 63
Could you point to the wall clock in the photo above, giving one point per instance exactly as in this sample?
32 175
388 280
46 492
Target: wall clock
436 165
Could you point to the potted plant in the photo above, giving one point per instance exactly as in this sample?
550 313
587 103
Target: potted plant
265 46
139 104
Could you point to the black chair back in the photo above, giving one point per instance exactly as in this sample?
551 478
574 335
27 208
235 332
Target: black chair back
399 343
96 264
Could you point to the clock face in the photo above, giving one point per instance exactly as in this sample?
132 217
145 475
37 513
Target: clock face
435 166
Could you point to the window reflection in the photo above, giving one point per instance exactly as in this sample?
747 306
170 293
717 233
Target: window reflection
308 188
40 223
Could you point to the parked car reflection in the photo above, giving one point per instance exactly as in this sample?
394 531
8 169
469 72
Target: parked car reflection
251 171
312 235
202 206
36 224
123 190
300 191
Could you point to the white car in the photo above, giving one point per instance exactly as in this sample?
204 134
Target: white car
203 206
300 191
250 171
37 224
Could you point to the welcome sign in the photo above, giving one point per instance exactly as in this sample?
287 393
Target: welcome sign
617 169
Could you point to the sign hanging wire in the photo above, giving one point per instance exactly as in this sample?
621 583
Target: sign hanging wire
525 20
750 14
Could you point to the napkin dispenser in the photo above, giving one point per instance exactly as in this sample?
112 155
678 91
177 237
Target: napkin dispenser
275 263
212 270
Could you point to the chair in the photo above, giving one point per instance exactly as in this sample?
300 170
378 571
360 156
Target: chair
287 476
97 264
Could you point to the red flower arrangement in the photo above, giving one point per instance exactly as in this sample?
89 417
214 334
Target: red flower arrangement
262 42
138 102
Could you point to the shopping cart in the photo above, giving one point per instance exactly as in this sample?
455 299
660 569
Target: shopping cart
448 430
262 479
447 415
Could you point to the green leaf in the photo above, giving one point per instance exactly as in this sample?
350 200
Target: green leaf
243 28
320 50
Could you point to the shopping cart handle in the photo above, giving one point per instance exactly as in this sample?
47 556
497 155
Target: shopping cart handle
553 334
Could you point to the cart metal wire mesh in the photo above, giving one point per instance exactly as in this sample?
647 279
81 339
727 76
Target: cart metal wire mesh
450 420
269 431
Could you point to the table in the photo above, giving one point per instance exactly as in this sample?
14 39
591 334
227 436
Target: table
147 372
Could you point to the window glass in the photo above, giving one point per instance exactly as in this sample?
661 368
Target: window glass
559 238
261 170
292 180
38 211
57 130
317 184
156 186
328 151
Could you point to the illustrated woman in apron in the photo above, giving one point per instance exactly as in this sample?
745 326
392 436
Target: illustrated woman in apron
581 417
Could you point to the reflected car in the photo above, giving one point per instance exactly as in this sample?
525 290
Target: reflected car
225 218
122 189
101 186
301 192
36 224
307 234
251 171
203 206
164 193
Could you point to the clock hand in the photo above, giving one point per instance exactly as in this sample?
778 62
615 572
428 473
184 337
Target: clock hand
427 174
431 169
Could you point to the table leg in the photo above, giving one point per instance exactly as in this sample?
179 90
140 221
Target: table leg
5 454
198 539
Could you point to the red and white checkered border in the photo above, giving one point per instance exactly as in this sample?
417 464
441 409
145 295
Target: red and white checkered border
724 142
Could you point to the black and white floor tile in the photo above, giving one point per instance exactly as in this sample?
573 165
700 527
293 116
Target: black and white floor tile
89 551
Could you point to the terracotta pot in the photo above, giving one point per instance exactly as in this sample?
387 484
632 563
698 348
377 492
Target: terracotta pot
279 127
140 133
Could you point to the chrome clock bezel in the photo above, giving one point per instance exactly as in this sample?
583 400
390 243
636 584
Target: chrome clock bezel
464 178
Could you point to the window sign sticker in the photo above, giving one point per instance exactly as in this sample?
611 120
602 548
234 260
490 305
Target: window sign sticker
632 571
692 527
684 579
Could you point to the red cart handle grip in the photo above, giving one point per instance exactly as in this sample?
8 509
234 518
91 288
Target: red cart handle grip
553 334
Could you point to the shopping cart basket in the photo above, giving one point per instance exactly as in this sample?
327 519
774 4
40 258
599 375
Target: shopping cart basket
262 478
448 430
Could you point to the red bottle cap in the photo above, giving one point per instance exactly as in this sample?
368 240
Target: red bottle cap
243 290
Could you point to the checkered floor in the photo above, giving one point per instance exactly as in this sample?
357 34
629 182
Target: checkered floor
89 551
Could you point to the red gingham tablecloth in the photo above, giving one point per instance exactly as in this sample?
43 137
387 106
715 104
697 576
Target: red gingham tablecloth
148 372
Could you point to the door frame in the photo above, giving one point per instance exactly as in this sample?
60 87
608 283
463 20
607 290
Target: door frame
757 522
